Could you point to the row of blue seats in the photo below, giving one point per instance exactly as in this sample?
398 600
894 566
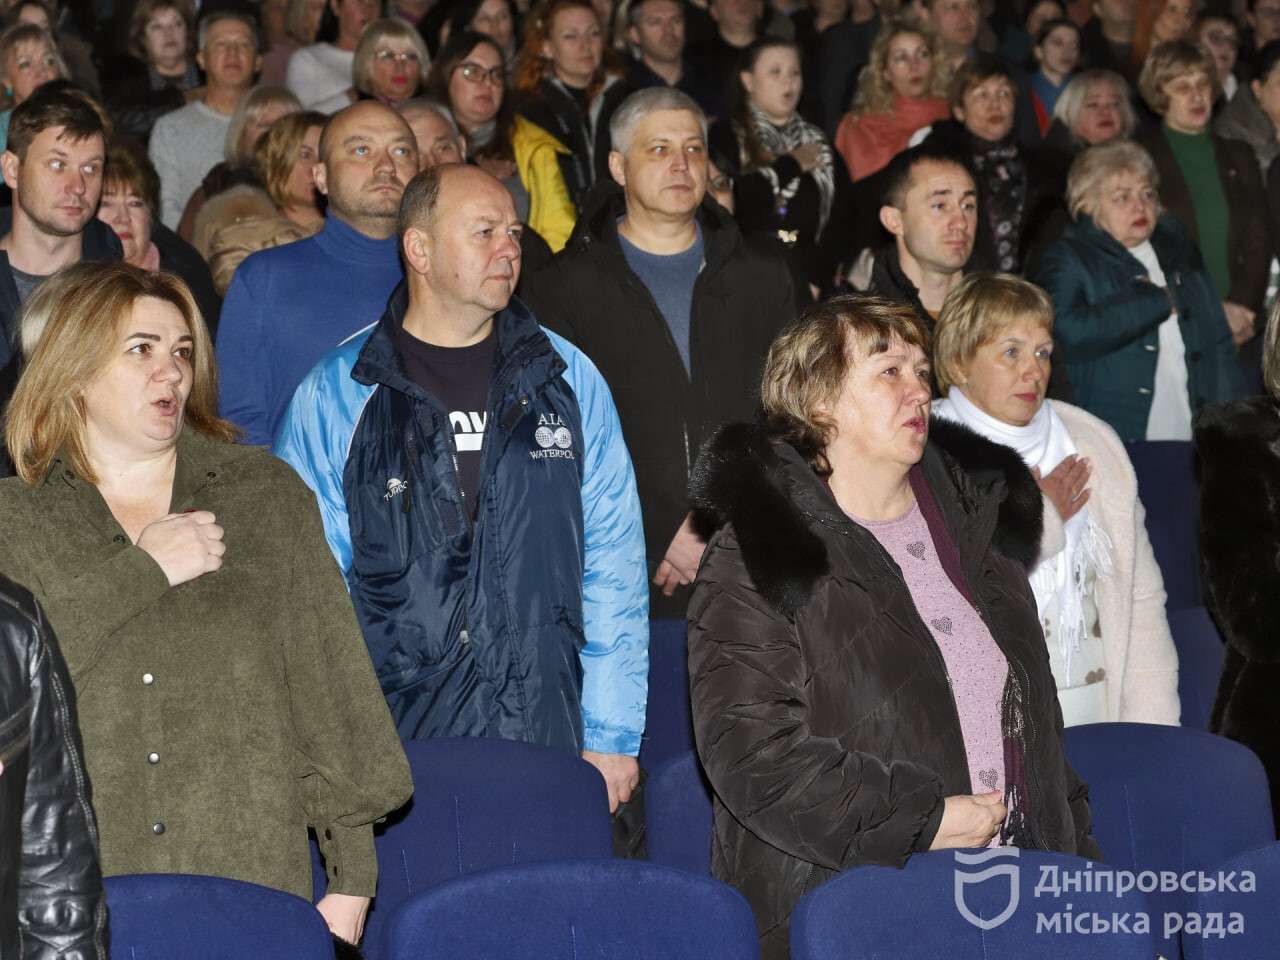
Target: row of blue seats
938 906
1163 798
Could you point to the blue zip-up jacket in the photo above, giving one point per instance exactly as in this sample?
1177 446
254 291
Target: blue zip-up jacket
530 623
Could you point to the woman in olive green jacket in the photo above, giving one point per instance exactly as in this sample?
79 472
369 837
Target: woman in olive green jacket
226 698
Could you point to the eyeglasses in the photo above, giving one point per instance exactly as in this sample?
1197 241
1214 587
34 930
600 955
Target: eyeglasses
392 56
477 73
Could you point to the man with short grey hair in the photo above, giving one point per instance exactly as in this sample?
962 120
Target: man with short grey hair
658 287
436 132
186 144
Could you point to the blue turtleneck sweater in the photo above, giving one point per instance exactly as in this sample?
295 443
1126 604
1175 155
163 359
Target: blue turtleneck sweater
289 306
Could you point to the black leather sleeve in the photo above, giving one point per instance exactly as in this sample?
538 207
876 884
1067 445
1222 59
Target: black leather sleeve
61 911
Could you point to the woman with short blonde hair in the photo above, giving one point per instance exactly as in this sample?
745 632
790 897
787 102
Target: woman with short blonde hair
29 59
1097 587
130 493
1140 327
1089 115
852 551
391 62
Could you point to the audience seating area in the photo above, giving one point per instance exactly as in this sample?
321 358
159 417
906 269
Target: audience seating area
519 835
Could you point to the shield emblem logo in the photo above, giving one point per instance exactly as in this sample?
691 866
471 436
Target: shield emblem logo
965 879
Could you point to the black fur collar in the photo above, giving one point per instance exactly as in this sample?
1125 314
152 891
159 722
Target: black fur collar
742 477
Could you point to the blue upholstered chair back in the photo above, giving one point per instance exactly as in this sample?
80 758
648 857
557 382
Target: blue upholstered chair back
480 803
1170 798
1170 494
883 913
668 730
1261 934
572 910
678 815
166 916
1200 653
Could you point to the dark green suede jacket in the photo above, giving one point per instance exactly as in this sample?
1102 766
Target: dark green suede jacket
224 716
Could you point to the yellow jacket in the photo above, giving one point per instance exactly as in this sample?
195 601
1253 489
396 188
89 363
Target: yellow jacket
551 212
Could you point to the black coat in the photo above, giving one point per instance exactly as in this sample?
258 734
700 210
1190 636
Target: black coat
742 298
51 904
1236 447
821 705
556 111
181 258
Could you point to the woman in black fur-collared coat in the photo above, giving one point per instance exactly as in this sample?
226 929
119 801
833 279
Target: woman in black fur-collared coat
1238 446
868 675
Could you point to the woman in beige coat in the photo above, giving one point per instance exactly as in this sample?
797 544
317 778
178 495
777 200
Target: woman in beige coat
1097 586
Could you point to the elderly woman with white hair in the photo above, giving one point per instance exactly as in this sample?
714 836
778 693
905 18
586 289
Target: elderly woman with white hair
1097 587
391 62
1140 328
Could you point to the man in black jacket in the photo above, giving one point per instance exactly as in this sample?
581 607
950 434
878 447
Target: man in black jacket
51 905
658 288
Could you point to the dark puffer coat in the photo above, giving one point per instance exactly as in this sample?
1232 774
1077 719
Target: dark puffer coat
1238 447
821 702
51 905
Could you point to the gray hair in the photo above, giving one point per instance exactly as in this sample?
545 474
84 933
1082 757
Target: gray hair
644 102
416 104
1071 100
217 16
1094 167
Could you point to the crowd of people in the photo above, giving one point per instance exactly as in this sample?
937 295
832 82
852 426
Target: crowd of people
378 372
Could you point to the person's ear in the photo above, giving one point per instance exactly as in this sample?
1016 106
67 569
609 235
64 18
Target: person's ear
891 219
958 113
546 50
748 82
1256 87
9 164
320 176
415 248
200 60
618 167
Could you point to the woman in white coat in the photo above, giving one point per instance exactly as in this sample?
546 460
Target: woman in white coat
1097 586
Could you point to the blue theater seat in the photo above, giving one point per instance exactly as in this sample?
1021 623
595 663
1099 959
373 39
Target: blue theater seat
1200 652
1170 494
678 815
1260 936
668 728
165 916
572 910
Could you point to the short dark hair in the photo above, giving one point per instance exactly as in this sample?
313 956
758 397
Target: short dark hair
897 175
975 71
1049 26
418 205
61 106
1265 60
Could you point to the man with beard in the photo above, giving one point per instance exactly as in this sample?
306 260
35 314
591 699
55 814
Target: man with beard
53 165
288 306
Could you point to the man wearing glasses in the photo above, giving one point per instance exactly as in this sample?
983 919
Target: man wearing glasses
658 288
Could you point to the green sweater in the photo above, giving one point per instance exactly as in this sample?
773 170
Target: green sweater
224 716
1199 165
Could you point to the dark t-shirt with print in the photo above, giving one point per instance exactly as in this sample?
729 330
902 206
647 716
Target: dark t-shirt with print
458 377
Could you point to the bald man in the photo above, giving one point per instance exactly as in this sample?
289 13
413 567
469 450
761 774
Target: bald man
495 558
286 307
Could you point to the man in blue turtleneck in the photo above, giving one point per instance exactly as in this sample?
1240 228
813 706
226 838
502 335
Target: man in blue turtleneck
289 306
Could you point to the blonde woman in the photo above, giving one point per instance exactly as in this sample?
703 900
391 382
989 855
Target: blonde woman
28 59
233 181
188 580
391 62
901 90
1097 587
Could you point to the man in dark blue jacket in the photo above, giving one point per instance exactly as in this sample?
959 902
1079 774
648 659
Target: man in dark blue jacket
478 496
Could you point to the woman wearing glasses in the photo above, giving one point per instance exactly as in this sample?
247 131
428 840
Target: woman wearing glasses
391 62
469 76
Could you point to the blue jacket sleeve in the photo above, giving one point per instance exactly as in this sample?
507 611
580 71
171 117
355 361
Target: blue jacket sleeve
313 439
243 357
615 589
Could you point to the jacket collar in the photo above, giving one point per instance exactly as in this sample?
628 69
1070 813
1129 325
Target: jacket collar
606 204
1168 240
524 352
776 503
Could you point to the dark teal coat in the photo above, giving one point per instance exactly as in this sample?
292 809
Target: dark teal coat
1108 311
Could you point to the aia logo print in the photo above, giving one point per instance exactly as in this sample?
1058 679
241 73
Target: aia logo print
553 439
